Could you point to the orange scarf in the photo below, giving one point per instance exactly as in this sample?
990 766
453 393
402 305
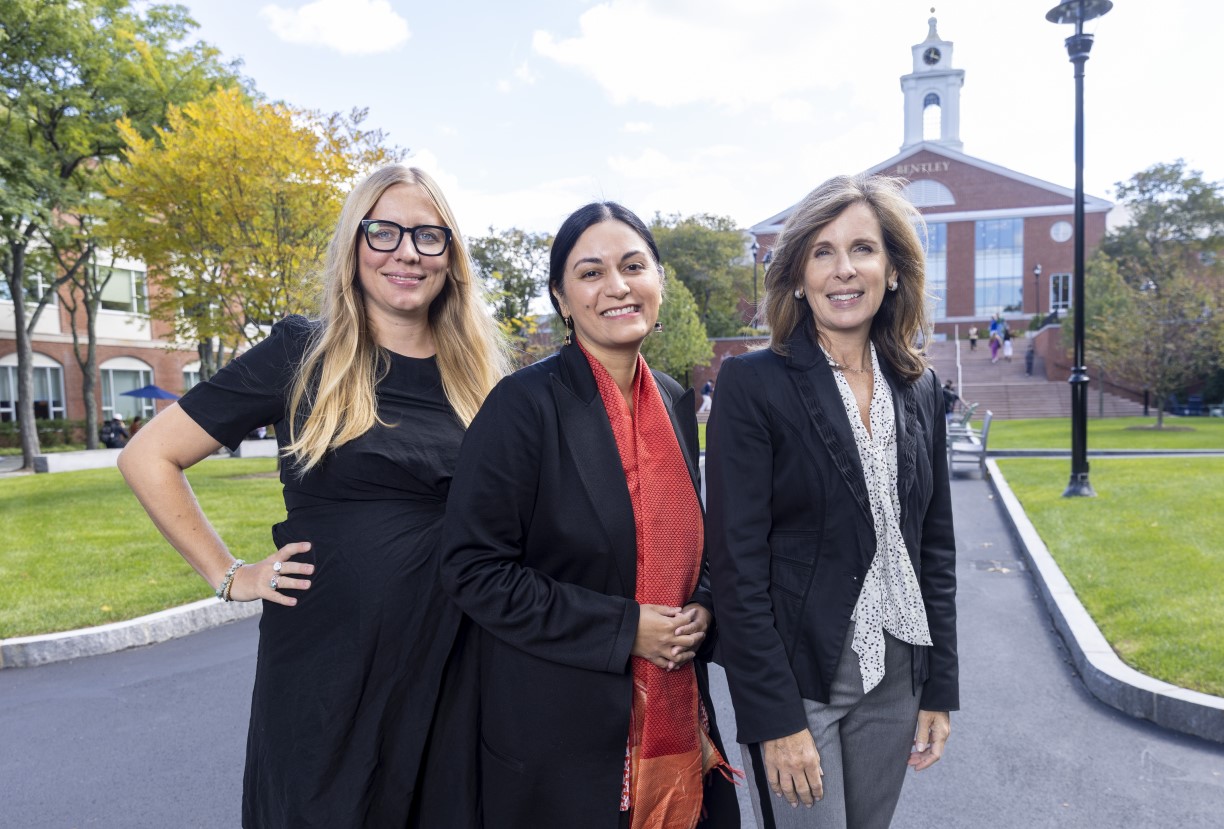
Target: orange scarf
669 749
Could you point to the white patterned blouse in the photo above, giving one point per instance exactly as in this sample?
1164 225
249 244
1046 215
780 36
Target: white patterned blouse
891 598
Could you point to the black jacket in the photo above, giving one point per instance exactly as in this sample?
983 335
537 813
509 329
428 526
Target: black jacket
790 535
540 549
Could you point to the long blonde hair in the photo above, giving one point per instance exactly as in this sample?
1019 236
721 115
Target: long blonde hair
903 314
333 398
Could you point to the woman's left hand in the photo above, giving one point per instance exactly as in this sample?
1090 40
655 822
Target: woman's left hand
695 621
933 730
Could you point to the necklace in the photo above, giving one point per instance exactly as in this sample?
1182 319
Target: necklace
840 367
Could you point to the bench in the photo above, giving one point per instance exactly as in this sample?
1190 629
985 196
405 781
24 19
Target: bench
972 446
958 426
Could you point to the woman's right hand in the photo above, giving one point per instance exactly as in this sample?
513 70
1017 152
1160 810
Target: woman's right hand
254 581
792 767
656 636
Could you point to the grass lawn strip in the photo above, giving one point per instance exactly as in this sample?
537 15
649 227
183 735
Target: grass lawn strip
1109 433
79 550
1146 557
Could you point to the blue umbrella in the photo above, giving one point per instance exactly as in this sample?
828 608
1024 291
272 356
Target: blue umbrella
151 392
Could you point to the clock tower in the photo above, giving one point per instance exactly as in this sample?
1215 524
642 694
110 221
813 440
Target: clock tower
932 94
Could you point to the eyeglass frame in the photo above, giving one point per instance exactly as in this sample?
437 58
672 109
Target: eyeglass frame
410 232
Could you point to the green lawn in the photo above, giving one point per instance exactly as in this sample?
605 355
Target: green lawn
1146 557
1109 433
78 550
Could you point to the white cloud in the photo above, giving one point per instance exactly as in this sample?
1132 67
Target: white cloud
350 27
716 51
637 127
538 206
524 73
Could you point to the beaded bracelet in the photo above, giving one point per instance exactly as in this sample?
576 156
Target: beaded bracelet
223 590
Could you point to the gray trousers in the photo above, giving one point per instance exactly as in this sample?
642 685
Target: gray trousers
863 740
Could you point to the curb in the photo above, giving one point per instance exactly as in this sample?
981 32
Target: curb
1106 676
29 651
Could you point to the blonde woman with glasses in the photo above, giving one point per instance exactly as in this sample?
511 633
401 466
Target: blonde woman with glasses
370 403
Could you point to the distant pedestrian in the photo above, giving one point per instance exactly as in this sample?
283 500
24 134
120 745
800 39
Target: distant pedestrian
137 422
973 337
707 397
114 434
1029 357
950 399
1007 344
996 343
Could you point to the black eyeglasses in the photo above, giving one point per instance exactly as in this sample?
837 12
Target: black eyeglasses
382 236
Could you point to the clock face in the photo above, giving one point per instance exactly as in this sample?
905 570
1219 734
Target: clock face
931 56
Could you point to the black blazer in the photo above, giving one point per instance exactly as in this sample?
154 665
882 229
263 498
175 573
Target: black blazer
540 549
790 535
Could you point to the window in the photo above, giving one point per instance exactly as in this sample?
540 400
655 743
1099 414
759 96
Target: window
35 287
927 193
191 375
125 291
998 266
48 388
1060 292
937 269
932 117
125 374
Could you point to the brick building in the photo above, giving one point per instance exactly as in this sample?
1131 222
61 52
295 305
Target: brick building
999 241
134 350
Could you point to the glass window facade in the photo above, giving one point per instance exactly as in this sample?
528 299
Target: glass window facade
35 287
937 269
998 266
48 392
125 291
115 381
1060 292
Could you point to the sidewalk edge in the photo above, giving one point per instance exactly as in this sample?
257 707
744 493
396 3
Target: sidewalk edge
30 651
1106 676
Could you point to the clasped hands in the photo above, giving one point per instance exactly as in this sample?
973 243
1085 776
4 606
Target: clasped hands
670 636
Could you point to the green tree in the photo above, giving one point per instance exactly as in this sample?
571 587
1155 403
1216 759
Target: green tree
234 202
1154 296
69 69
1159 337
682 344
1176 223
707 254
514 267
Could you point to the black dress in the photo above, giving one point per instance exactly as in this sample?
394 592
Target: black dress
348 680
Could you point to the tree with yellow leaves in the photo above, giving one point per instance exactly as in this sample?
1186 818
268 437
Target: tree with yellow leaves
232 205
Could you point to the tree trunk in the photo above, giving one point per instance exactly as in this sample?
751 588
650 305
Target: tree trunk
25 361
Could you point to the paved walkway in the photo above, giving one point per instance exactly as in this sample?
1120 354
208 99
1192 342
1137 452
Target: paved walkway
154 736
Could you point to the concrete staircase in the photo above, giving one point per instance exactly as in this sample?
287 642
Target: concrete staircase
1004 389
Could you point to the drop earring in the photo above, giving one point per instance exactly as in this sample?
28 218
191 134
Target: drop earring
569 329
658 328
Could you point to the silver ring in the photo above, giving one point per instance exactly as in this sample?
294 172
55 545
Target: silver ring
276 567
273 583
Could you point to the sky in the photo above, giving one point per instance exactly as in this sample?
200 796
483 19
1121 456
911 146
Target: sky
525 110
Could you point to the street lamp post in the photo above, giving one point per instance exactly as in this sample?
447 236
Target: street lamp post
1078 47
755 248
1037 287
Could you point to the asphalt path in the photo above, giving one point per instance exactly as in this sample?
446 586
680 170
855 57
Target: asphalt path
154 737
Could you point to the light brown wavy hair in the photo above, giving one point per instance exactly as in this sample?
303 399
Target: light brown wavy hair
333 398
903 314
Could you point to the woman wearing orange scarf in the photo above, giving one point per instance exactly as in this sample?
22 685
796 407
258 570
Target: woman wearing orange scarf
574 539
